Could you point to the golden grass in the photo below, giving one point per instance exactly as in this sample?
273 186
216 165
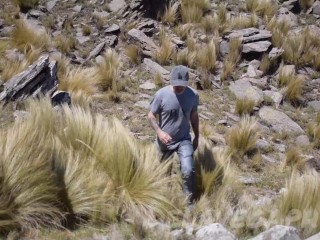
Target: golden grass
132 52
230 61
313 130
183 30
165 52
294 159
227 70
207 56
23 35
264 8
265 64
240 22
279 30
170 14
210 24
158 80
78 81
300 201
13 67
107 72
86 30
244 106
306 4
192 11
285 77
293 92
243 137
186 58
65 44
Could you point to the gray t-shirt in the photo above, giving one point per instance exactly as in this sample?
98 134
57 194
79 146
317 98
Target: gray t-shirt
174 113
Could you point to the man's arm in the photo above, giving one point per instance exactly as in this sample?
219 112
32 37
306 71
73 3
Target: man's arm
195 127
163 136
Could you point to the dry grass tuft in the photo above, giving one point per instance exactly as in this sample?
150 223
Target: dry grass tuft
164 54
240 22
298 204
13 67
170 15
107 72
65 44
192 11
244 106
132 52
242 138
26 4
265 64
207 56
86 30
294 89
294 159
230 61
313 130
306 4
23 35
264 8
210 24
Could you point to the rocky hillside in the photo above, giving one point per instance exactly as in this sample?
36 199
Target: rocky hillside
255 64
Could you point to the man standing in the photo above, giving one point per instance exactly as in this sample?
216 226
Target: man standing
177 107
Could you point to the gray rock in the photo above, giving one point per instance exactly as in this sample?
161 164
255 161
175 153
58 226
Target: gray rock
275 53
267 159
253 72
256 47
20 115
61 97
116 5
292 5
111 40
315 105
97 50
214 231
262 83
155 68
114 28
263 145
50 5
302 140
279 121
82 39
142 104
316 7
242 88
288 69
279 232
36 13
40 77
249 180
285 15
280 148
102 14
314 237
77 8
224 48
143 40
176 234
250 35
275 96
148 86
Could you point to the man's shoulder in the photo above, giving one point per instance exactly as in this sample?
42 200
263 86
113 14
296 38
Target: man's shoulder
163 90
193 91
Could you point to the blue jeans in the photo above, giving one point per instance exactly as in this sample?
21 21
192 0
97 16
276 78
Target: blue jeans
185 154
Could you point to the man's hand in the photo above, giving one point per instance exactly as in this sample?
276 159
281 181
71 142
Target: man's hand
195 143
164 137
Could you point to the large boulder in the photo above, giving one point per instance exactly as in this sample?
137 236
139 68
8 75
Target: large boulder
143 40
154 68
279 121
214 231
243 89
279 232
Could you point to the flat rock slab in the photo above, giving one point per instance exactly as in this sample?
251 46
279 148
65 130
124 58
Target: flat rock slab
243 89
147 86
250 35
214 231
155 68
258 47
315 105
275 96
279 121
279 232
116 5
144 41
114 28
142 104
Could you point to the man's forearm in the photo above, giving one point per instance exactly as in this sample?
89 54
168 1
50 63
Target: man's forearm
154 123
195 124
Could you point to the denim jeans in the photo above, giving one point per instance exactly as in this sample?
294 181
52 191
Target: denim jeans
185 154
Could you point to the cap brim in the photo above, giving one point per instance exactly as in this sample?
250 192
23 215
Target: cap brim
177 83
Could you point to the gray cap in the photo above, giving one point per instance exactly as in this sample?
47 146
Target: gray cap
179 76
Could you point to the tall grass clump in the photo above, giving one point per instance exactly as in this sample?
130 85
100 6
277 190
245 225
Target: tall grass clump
65 43
193 11
29 200
298 205
313 131
170 15
132 52
279 30
244 106
207 56
216 185
301 49
306 4
23 34
293 92
242 138
294 160
264 8
108 70
165 52
231 59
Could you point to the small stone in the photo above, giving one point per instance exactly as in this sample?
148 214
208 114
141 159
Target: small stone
302 140
142 104
77 8
114 28
148 85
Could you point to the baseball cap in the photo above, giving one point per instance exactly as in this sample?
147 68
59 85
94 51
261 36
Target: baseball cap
179 76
